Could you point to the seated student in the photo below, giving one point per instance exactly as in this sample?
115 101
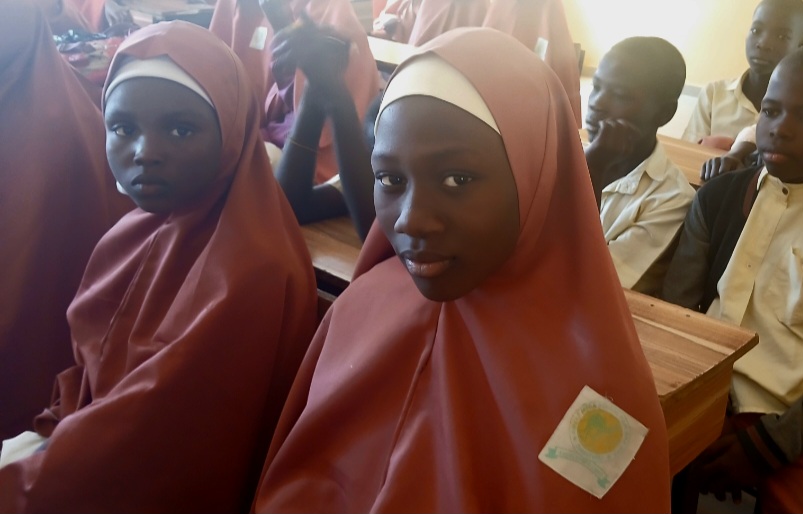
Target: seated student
417 21
740 259
642 196
541 26
725 107
57 198
444 378
195 309
323 58
740 155
247 22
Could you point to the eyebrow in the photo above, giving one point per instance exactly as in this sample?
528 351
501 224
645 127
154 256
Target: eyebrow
438 155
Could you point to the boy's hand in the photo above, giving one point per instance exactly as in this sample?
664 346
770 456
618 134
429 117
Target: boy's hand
719 165
724 468
320 53
614 142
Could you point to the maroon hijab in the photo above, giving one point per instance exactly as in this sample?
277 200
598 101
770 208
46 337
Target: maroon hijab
57 198
187 330
409 405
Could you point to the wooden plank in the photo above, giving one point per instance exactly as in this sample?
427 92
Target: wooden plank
691 355
388 54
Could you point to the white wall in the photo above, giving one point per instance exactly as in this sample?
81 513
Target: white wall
709 33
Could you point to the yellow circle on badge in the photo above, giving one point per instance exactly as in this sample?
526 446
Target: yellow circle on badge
599 431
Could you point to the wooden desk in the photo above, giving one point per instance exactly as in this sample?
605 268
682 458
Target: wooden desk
388 54
687 156
690 354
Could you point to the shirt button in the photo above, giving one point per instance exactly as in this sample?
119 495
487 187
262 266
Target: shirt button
785 191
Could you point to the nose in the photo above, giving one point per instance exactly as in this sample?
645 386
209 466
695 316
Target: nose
419 217
764 40
147 150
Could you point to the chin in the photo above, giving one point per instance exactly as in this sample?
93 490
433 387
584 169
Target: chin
440 292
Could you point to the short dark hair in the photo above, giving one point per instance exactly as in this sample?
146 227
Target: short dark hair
660 57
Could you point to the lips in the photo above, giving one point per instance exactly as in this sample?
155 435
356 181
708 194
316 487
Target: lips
773 157
148 185
426 264
760 61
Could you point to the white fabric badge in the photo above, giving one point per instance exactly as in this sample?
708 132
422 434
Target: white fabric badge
541 47
259 38
20 447
594 443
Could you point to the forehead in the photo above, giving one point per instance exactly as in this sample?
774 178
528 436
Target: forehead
786 85
776 16
621 70
155 94
423 125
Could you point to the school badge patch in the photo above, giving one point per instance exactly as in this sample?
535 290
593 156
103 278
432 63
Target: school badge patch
594 443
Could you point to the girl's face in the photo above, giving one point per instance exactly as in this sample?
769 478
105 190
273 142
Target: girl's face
445 195
163 143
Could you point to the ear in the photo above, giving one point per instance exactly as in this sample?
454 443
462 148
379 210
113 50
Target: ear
665 112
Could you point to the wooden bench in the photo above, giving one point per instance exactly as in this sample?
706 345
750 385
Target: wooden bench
690 354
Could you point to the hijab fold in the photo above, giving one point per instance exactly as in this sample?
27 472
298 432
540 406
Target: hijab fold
532 20
57 198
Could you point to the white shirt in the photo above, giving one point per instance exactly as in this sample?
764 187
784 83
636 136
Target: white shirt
761 290
641 214
722 110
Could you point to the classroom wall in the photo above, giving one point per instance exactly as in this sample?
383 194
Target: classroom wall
709 33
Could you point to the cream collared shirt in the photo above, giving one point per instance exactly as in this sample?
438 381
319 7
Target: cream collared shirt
721 110
641 214
761 290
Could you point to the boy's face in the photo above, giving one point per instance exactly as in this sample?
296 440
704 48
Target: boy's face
163 143
444 195
623 90
779 132
773 34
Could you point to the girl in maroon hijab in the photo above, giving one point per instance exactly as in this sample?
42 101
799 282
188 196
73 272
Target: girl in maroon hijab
195 309
57 198
484 358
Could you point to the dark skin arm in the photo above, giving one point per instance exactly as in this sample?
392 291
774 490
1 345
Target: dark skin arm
323 58
733 160
613 154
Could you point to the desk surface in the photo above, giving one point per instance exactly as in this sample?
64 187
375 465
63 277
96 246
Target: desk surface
687 156
690 354
388 54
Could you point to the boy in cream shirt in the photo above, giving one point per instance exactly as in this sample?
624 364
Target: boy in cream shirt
740 259
642 196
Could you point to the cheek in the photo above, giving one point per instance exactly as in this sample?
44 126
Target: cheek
114 155
386 212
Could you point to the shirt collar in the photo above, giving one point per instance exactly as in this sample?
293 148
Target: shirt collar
655 166
736 84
